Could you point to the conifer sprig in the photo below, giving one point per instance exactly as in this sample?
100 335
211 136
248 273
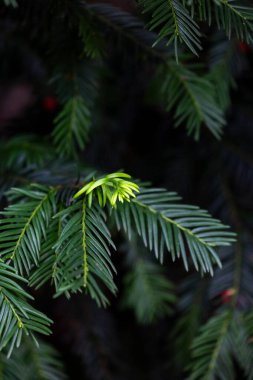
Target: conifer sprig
165 224
148 292
24 225
173 22
84 252
192 97
17 317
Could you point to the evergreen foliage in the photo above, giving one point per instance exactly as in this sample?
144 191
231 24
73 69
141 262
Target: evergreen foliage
163 224
24 226
193 97
72 126
173 22
17 316
62 221
148 292
222 342
29 362
84 246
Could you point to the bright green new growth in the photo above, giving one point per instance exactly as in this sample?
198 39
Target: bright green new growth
113 187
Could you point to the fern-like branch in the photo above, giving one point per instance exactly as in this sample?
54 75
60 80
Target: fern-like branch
72 126
148 292
172 22
17 317
193 98
211 356
164 223
84 255
24 225
31 362
230 15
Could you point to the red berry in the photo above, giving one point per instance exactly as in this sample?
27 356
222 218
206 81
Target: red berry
243 47
227 295
49 103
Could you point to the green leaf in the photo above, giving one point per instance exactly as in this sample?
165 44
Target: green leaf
72 126
117 25
163 223
193 98
112 188
24 226
22 151
148 292
84 255
30 362
172 22
242 342
230 15
211 350
93 41
222 341
225 63
47 266
17 317
187 325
